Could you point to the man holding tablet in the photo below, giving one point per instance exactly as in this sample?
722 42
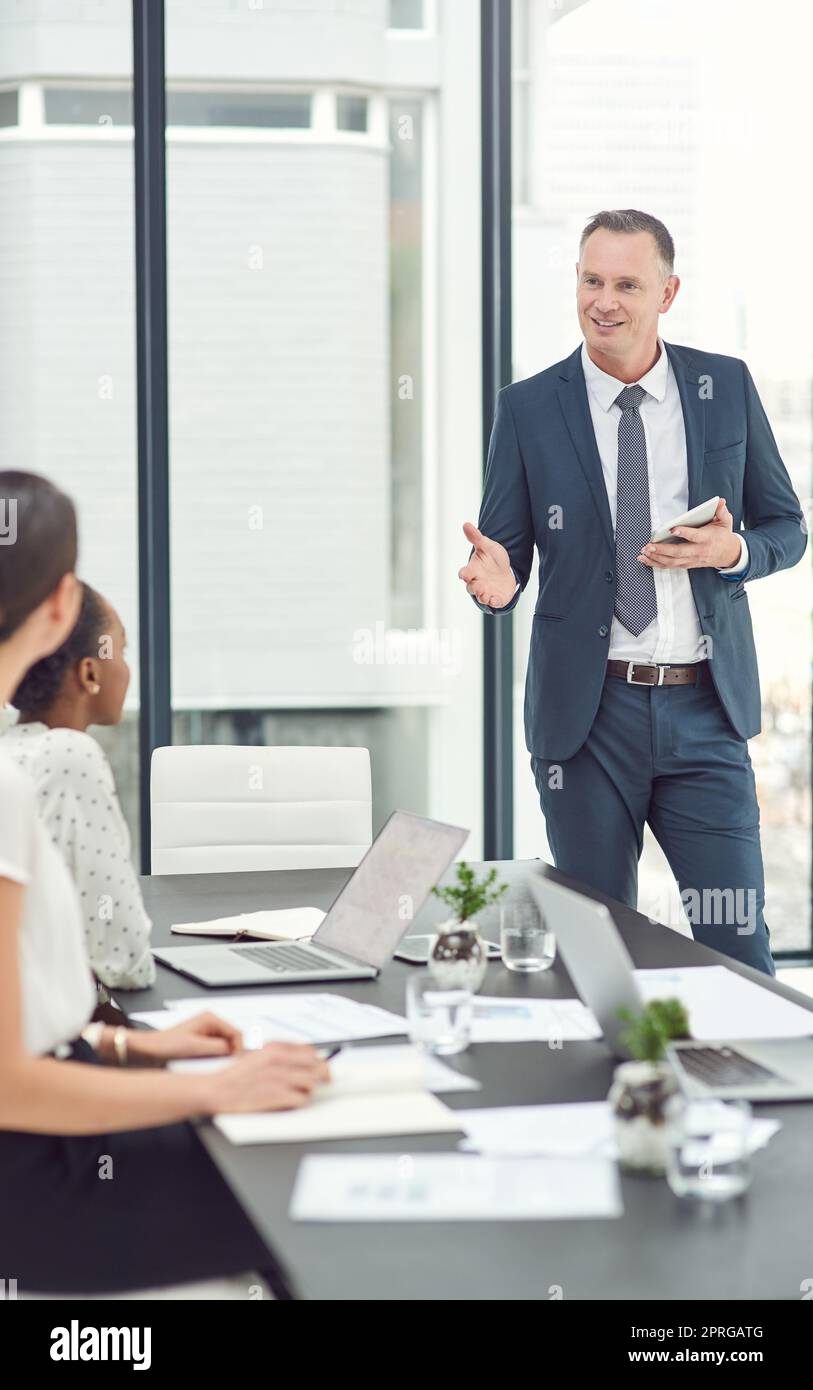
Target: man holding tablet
642 686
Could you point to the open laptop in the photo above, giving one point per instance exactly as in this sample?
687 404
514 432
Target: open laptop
362 927
602 970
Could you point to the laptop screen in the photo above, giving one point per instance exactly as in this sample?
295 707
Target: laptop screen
380 901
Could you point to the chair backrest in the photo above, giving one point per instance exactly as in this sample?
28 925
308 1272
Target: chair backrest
219 808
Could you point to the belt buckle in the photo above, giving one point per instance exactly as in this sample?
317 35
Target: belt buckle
661 670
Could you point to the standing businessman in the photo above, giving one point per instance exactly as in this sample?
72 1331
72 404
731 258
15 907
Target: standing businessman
642 686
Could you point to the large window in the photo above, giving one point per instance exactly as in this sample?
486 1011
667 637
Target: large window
67 324
323 331
325 430
628 104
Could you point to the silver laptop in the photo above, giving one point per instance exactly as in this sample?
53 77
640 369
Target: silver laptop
363 926
602 970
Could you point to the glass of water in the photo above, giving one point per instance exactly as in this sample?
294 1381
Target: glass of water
709 1154
527 944
439 1020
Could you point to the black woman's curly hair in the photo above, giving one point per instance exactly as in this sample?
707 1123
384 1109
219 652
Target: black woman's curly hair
42 683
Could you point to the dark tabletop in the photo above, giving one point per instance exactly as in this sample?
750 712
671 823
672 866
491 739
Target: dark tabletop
758 1247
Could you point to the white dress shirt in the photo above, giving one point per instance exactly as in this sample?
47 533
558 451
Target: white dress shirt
675 635
77 802
57 995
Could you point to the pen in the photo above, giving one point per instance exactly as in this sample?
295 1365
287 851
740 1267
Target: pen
331 1052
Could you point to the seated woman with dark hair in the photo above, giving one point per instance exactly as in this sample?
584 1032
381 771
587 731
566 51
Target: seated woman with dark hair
84 682
72 1091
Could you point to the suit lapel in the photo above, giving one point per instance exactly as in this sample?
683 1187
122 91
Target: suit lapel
572 393
694 419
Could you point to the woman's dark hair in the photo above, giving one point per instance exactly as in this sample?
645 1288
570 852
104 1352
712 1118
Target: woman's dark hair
38 545
42 682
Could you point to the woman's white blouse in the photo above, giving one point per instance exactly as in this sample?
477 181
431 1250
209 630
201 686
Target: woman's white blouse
77 802
57 990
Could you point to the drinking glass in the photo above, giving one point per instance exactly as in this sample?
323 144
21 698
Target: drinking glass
708 1154
527 944
439 1020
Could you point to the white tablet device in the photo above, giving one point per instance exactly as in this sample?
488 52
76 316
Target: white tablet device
698 516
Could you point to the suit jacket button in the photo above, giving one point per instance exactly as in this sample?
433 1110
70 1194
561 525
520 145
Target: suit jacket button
609 576
603 630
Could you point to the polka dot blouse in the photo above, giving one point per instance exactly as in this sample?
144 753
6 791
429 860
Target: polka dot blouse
76 799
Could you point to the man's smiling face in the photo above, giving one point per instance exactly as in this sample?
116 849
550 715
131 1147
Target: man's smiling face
621 289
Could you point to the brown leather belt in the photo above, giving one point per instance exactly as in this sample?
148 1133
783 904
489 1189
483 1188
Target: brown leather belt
646 673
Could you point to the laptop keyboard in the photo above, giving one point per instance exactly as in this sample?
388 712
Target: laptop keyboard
722 1066
283 959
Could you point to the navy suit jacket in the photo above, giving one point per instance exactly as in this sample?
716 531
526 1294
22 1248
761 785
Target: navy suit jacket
544 486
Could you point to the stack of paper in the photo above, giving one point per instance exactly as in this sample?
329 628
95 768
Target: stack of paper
722 1004
278 1017
434 1074
319 1018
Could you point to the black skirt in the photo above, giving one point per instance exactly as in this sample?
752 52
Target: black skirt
118 1212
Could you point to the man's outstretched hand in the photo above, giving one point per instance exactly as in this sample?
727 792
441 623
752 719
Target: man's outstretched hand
488 575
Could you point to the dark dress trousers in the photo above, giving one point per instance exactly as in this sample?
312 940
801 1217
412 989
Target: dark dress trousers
113 1213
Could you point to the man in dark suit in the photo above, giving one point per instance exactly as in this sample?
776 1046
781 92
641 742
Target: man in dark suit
642 686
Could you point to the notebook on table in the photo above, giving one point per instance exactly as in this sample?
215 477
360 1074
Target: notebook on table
280 924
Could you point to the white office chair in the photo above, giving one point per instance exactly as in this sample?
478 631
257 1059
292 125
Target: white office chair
220 808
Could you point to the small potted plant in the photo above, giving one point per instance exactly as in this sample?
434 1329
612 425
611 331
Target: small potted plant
458 958
642 1089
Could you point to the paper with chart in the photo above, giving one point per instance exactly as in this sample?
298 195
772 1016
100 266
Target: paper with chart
453 1187
497 1019
303 1018
722 1004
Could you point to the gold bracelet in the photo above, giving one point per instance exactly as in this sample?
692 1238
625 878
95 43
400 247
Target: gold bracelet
120 1045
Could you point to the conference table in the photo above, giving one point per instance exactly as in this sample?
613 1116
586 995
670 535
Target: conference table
759 1246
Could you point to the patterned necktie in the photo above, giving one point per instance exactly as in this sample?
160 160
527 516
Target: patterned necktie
635 603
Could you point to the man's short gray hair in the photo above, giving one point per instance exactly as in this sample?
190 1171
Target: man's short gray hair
630 220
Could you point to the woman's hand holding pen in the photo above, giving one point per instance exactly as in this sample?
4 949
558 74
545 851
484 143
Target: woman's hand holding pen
279 1076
